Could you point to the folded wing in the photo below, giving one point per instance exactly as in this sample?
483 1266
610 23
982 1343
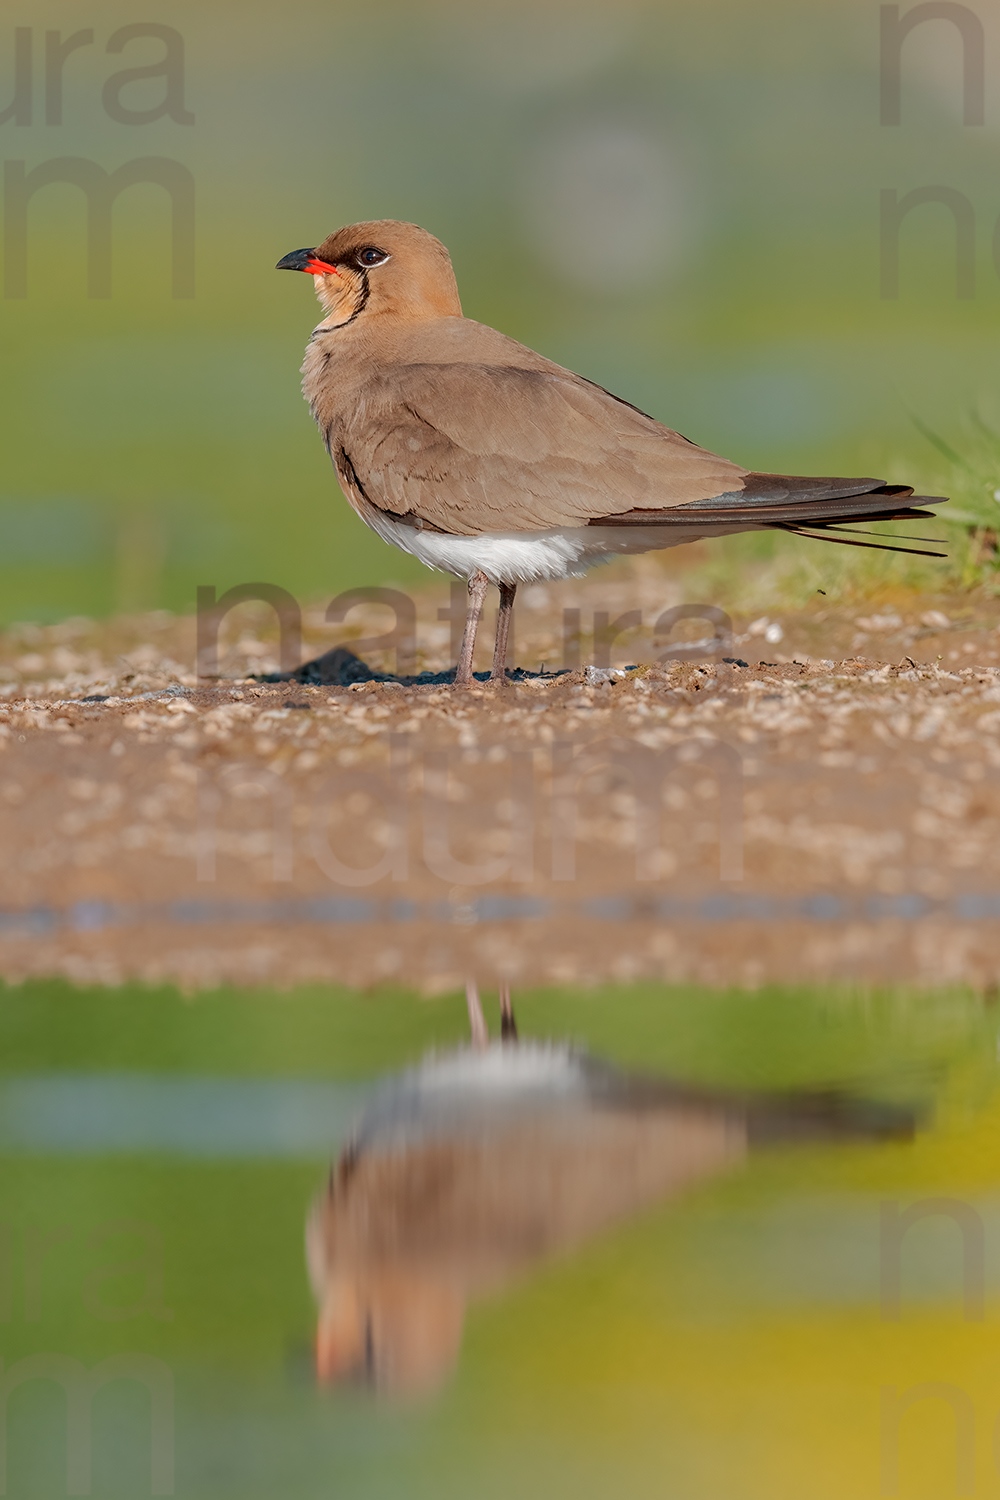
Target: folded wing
468 448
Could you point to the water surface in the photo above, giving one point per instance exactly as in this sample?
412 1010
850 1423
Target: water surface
758 1330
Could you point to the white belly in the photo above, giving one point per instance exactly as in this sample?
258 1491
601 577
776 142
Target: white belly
529 556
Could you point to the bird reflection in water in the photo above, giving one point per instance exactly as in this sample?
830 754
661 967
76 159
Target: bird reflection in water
480 1164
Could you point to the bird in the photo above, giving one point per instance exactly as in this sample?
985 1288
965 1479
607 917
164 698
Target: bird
488 461
483 1163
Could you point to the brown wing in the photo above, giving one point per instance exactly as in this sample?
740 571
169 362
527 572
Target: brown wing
469 448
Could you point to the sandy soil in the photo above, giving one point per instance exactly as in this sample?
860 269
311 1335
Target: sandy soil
779 815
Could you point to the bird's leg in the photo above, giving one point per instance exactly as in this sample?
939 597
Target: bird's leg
507 592
508 1026
478 583
477 1021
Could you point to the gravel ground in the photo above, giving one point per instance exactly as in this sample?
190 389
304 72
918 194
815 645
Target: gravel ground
785 814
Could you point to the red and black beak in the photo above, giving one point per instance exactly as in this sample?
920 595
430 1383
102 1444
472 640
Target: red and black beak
306 260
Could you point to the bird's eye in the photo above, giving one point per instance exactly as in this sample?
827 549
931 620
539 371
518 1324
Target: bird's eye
372 256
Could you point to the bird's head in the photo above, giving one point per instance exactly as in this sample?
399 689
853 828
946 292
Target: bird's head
391 1327
385 1320
377 269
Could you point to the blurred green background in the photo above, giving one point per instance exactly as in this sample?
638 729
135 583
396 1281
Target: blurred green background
680 200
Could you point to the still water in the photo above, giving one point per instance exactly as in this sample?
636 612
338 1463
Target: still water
665 1242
